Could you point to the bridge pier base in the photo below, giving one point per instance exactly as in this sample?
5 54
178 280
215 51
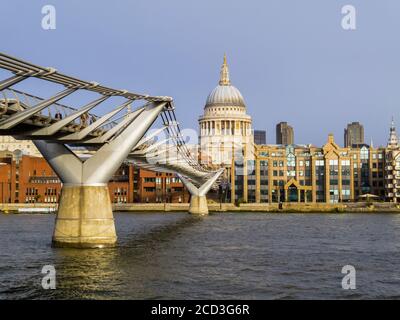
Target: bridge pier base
198 200
84 218
198 205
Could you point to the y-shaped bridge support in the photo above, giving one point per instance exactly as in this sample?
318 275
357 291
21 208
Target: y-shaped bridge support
85 217
198 200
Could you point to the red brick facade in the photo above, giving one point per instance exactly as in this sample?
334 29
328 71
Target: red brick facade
31 180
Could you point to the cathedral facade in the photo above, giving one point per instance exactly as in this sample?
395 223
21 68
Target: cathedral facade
225 127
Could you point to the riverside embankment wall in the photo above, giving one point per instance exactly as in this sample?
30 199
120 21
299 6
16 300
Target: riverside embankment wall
375 207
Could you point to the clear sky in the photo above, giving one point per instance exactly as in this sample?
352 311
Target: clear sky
291 59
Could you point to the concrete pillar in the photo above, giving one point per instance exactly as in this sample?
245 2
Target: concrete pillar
198 205
84 218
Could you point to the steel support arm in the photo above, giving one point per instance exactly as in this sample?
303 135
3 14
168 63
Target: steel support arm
21 116
11 81
101 166
62 160
202 191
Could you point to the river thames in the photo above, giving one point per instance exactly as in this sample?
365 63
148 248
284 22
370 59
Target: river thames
222 256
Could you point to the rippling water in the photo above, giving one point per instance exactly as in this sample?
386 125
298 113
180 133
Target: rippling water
222 256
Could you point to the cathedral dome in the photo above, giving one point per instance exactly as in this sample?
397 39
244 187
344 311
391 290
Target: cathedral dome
225 94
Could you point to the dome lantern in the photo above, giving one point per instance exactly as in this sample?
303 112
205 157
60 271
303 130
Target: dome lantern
224 79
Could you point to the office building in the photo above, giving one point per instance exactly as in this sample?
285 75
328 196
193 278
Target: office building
284 134
260 137
305 173
354 135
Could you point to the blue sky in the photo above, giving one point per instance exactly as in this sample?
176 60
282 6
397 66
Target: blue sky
291 59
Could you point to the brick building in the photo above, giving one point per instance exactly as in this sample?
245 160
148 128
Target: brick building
29 179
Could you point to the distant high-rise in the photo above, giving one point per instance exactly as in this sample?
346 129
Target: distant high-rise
354 134
260 137
393 141
284 134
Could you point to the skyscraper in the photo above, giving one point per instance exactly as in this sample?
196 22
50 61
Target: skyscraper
260 137
354 134
284 134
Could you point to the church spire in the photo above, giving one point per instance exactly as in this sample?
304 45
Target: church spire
224 79
393 140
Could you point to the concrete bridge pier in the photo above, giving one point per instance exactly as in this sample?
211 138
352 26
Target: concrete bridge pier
198 205
198 199
85 218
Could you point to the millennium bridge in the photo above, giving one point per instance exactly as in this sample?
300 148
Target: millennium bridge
121 134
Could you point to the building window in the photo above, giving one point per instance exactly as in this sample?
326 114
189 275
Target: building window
251 181
263 181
